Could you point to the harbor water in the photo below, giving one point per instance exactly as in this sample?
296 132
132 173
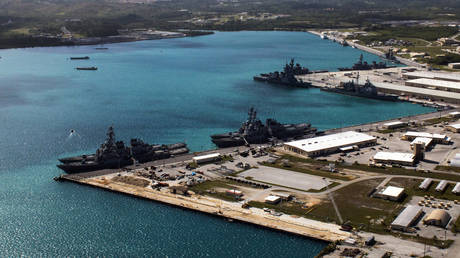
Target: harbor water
162 91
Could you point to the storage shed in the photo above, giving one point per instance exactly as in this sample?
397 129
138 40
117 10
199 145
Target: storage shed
441 186
392 193
456 189
425 184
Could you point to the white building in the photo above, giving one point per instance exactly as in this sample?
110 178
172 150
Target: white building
437 138
394 125
426 142
206 158
327 144
392 193
401 158
455 77
454 114
272 199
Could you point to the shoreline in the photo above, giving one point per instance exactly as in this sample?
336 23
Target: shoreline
301 227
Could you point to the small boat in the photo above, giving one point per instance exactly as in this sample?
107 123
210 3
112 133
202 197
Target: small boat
79 58
101 48
92 68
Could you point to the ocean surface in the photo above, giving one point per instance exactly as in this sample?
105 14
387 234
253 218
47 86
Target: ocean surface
162 91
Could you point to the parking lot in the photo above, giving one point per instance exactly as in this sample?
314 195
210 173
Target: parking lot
286 178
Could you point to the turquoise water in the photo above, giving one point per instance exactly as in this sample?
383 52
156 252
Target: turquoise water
163 91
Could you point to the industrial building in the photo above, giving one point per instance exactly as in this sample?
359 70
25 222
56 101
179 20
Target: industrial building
394 125
456 189
441 186
327 144
406 159
434 84
391 193
424 93
407 218
454 77
437 138
438 218
425 184
453 128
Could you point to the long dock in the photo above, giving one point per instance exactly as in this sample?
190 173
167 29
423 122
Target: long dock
286 223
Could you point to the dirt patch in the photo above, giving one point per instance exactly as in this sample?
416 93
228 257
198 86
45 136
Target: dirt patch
131 180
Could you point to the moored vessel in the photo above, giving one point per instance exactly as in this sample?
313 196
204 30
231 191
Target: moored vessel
286 77
253 131
92 68
114 154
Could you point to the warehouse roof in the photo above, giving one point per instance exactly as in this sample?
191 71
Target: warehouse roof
433 75
417 90
331 141
436 83
207 156
407 216
394 156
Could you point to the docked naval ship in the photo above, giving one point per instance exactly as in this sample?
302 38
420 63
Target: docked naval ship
367 90
114 154
286 77
363 65
253 131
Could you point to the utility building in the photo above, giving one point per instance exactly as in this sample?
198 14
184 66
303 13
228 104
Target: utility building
391 193
406 159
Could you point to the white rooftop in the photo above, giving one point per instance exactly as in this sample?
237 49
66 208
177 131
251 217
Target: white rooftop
392 191
454 113
394 123
207 156
434 75
436 83
331 141
417 90
424 140
272 198
394 156
425 135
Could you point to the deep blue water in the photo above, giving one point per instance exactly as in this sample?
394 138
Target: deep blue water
163 91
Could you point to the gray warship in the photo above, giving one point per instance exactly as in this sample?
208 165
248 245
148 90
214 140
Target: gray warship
286 77
114 154
363 65
253 131
367 90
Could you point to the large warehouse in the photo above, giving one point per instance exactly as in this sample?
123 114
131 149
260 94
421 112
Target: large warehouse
433 75
327 144
409 91
407 218
435 84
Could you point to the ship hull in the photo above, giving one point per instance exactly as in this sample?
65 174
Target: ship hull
279 82
377 97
